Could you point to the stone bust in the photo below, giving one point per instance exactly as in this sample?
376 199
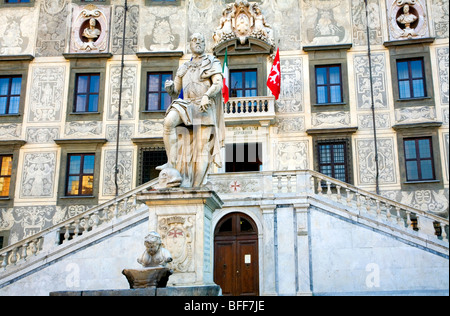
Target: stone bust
91 32
154 255
407 19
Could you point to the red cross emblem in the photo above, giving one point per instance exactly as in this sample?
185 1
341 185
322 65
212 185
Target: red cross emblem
235 186
175 233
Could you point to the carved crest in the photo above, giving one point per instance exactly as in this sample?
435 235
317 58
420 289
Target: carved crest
177 236
242 20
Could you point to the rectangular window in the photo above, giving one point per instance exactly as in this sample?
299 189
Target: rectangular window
243 83
151 159
411 78
243 157
80 174
333 160
419 159
157 97
5 174
17 1
10 87
328 84
87 88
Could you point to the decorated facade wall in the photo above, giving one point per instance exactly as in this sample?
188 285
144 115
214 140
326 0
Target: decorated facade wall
48 41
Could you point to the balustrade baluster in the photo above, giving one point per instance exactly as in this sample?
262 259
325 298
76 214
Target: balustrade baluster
95 219
24 251
368 204
116 210
5 260
289 184
319 186
388 211
378 210
329 189
358 201
443 232
349 196
13 257
400 220
338 189
408 220
67 233
86 224
280 185
34 246
76 231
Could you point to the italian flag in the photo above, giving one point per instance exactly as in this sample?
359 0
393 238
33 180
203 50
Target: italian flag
226 75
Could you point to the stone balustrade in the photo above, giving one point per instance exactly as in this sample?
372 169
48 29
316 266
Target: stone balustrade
275 187
249 109
72 228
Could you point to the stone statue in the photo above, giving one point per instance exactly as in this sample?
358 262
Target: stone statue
154 260
91 33
154 255
407 19
194 128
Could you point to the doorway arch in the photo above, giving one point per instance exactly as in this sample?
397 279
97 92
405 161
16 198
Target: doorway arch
236 267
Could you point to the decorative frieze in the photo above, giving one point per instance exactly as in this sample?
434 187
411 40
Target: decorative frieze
326 22
415 114
443 73
382 121
360 22
330 119
51 33
128 92
440 17
162 28
10 131
292 156
125 171
131 32
46 94
365 151
291 94
17 31
41 135
362 81
83 128
38 175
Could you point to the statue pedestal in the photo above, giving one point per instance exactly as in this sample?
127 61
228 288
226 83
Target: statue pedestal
183 219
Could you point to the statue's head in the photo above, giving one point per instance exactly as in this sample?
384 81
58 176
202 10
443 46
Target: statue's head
198 43
152 242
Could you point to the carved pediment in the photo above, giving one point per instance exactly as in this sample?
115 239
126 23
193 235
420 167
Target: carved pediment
243 20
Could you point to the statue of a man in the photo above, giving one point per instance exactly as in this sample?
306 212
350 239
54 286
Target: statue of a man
194 128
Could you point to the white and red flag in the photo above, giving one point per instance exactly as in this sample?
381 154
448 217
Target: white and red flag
226 75
274 80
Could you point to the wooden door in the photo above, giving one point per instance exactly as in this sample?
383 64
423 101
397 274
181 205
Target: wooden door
236 255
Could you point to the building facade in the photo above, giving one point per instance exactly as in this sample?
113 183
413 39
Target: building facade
61 91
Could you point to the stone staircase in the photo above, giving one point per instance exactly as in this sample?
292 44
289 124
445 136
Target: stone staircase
306 187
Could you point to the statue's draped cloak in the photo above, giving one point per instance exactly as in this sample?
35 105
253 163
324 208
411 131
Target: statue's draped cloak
196 78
